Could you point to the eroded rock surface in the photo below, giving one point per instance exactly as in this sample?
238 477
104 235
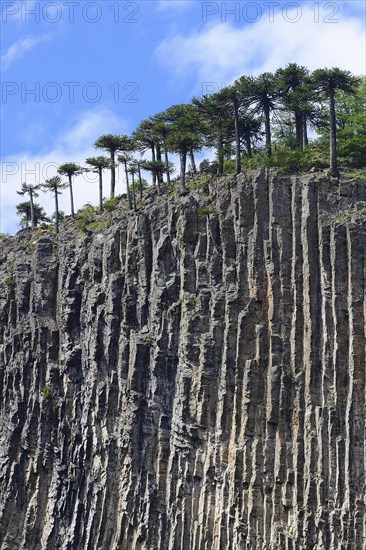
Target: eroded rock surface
193 378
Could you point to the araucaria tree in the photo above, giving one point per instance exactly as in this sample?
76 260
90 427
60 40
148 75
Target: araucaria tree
161 132
70 169
55 186
98 164
147 138
137 164
351 126
242 120
112 144
30 190
133 170
326 82
230 97
296 94
185 135
125 158
260 94
156 167
217 125
126 147
27 211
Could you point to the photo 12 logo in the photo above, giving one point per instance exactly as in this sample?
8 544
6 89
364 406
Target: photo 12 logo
53 92
252 12
37 172
209 88
53 12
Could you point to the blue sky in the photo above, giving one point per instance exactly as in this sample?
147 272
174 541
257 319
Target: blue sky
73 70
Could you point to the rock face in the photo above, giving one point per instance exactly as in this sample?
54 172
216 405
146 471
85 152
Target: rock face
193 378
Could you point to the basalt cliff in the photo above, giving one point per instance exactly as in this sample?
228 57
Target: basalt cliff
191 377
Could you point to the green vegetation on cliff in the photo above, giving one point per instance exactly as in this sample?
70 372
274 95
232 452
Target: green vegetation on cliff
292 120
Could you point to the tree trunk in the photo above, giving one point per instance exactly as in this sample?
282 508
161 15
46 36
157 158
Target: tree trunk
220 155
158 158
71 197
56 213
183 159
193 162
100 190
133 191
237 137
248 144
128 187
167 165
298 130
140 179
153 158
305 140
113 174
267 126
33 218
333 136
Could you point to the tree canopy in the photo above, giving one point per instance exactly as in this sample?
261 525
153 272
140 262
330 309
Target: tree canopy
54 185
291 119
33 214
70 169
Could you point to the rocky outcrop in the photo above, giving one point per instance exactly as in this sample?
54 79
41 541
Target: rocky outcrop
192 377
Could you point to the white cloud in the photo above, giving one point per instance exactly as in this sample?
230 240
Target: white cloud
86 127
20 48
221 52
73 145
